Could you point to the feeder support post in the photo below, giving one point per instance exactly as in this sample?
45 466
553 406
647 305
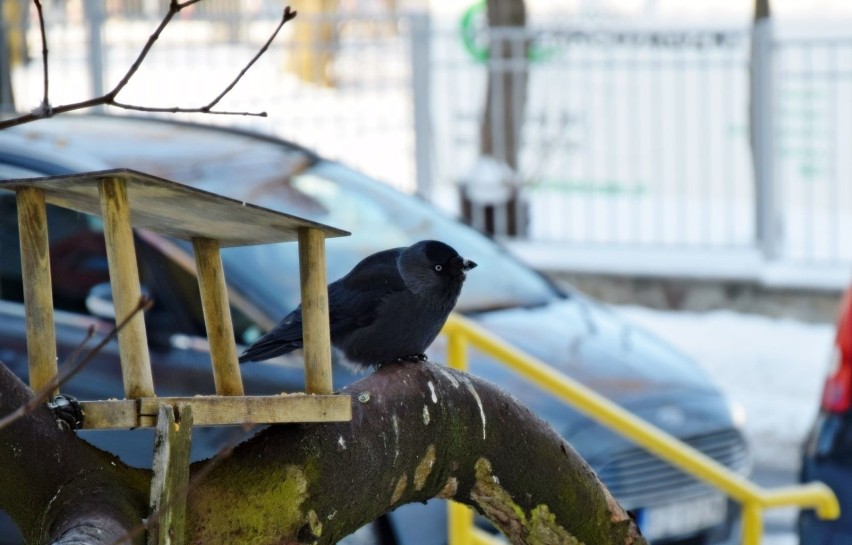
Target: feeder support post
316 332
126 290
217 317
38 295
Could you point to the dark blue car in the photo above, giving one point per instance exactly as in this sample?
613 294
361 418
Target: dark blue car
560 326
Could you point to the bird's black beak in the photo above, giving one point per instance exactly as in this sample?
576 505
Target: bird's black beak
467 265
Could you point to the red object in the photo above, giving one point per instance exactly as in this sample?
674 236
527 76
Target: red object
837 394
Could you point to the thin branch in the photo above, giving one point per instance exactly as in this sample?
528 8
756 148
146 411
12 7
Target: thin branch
71 367
288 16
109 99
45 101
176 110
174 8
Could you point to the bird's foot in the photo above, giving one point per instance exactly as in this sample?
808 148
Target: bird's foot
414 358
67 412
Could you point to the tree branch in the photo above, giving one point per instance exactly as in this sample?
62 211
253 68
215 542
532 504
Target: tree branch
54 484
418 431
45 101
45 110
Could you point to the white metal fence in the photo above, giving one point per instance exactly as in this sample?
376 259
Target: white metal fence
354 103
638 137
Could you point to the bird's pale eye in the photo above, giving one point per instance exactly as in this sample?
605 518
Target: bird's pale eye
438 268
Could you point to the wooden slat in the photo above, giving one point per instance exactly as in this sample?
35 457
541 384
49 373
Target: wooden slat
170 482
217 317
176 210
111 414
315 321
220 410
38 297
126 291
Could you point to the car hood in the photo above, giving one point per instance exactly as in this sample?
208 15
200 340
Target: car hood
590 343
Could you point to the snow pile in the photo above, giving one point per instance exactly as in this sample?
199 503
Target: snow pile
774 367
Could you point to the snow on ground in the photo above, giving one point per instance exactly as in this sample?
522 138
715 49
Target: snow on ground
774 367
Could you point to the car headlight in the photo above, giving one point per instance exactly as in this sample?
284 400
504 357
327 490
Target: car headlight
738 413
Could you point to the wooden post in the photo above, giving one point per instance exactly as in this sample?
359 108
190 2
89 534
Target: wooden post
315 321
126 291
171 476
38 297
217 317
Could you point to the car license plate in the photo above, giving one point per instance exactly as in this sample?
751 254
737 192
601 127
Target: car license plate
683 518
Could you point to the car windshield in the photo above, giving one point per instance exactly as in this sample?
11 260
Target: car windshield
285 178
378 217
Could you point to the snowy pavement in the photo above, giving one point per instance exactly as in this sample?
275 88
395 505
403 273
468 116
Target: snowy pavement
773 367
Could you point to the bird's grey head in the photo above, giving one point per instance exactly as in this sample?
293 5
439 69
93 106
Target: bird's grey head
430 265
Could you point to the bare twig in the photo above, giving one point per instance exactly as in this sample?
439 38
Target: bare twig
288 16
71 367
109 99
45 101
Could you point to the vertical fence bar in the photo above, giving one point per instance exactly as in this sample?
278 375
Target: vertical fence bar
217 317
7 104
315 321
762 131
126 290
94 12
421 94
38 297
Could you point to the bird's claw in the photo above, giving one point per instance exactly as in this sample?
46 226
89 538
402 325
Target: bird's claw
412 358
67 412
415 358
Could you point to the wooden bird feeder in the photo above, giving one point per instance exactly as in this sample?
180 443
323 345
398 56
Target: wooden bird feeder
127 199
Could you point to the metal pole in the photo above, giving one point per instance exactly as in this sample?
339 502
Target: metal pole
94 12
421 95
7 102
762 129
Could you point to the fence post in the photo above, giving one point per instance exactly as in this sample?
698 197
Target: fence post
7 103
762 132
421 61
94 12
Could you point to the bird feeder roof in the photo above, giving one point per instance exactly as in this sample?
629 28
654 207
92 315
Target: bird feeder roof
174 209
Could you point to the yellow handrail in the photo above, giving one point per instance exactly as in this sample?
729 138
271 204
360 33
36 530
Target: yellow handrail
461 332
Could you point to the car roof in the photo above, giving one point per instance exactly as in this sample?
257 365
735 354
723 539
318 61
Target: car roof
222 160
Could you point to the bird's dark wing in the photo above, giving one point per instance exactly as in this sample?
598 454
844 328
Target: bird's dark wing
283 338
355 299
378 271
353 302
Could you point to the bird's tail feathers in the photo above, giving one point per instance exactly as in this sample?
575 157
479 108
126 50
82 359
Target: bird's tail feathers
263 351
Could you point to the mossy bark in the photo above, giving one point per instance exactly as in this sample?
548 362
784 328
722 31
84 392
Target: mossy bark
418 431
58 488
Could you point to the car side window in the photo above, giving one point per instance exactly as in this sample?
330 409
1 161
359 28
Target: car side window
78 262
77 255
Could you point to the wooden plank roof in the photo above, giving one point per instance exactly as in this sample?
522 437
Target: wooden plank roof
175 209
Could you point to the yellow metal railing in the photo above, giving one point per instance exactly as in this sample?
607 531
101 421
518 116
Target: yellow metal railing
461 333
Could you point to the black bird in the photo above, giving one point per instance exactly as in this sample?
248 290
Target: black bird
390 307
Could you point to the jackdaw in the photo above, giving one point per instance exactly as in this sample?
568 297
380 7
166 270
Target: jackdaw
390 307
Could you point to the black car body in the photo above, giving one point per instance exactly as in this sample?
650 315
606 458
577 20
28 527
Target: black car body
827 454
564 328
